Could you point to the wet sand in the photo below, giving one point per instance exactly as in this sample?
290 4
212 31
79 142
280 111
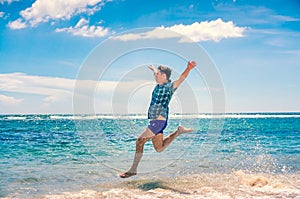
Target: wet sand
235 185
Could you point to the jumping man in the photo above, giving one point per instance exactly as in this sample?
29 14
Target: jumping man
158 114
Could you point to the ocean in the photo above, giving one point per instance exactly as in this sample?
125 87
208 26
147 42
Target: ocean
232 155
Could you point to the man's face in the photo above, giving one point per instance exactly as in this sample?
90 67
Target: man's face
161 77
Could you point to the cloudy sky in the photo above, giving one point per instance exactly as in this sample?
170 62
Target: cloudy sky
254 45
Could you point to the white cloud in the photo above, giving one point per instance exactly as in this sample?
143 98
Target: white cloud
82 22
82 28
2 14
10 101
56 93
7 1
44 10
213 30
17 24
204 31
283 18
51 88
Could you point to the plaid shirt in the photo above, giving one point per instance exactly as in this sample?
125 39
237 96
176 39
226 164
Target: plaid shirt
161 97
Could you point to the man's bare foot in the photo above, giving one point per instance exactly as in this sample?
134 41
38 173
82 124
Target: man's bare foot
182 130
127 174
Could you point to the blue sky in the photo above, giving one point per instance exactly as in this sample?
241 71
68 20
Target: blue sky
255 46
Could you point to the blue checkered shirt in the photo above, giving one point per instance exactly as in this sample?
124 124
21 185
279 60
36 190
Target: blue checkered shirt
161 97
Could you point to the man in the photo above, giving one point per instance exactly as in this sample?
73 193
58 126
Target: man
158 114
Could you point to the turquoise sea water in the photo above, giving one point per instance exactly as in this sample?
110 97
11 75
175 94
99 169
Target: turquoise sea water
51 154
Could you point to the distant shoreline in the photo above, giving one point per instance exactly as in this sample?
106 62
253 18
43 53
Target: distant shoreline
128 114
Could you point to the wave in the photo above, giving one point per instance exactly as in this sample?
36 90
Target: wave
175 116
258 116
95 117
16 118
21 117
143 116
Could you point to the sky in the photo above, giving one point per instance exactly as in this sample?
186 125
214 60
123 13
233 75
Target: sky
252 48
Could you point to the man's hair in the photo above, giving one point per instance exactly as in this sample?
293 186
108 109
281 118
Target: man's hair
165 70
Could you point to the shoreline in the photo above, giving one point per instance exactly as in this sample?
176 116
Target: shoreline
237 184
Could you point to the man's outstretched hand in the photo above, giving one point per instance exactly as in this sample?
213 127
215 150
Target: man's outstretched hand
153 68
191 65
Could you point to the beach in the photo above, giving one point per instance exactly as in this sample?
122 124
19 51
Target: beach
235 185
66 156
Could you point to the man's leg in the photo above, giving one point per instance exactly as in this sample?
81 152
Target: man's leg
140 142
161 144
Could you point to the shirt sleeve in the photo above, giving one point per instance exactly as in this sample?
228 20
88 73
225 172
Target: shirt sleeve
172 89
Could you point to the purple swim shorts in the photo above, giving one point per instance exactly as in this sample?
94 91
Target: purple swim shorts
157 126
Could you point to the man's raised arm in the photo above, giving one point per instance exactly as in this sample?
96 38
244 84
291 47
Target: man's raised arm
153 68
190 66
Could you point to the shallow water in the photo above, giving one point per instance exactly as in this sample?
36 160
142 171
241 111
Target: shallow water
234 185
47 155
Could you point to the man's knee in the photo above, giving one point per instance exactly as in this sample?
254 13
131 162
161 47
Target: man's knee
158 149
140 141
